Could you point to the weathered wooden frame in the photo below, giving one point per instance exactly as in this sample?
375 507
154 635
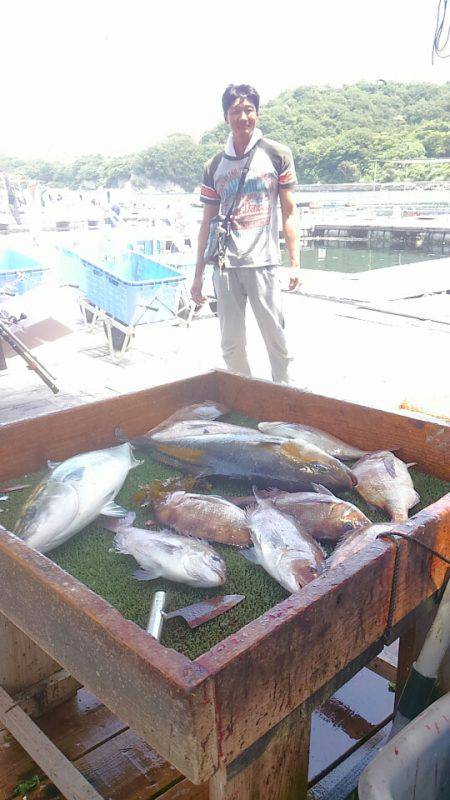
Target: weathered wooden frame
217 717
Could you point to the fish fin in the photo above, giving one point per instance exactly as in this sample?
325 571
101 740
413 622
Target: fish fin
249 554
248 511
147 574
321 489
417 498
53 464
261 496
112 509
116 524
412 464
389 463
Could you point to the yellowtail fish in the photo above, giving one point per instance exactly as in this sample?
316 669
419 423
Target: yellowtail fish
164 554
355 542
281 547
385 483
74 494
331 444
237 452
206 516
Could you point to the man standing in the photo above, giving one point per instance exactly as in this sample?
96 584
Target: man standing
252 254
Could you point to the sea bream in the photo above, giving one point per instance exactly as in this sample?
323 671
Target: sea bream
290 555
74 494
238 452
331 444
385 483
320 513
356 542
164 554
205 516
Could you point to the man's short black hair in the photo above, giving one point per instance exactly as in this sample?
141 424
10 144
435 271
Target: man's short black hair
233 91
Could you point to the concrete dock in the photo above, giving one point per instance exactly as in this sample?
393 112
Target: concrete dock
380 338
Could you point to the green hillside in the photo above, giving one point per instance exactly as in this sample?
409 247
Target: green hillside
336 135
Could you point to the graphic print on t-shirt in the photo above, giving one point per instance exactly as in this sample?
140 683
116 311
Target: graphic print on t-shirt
254 230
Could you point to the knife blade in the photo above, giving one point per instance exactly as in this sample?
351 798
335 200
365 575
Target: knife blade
198 613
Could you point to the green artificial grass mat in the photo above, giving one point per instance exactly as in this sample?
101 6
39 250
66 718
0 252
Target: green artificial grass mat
90 556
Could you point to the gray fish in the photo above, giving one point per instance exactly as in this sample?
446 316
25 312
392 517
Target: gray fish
163 554
357 541
238 452
385 483
287 553
331 444
75 493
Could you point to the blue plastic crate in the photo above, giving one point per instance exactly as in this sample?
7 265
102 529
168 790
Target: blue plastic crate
20 271
71 269
133 288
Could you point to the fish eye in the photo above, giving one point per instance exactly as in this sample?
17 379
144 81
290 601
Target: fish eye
347 527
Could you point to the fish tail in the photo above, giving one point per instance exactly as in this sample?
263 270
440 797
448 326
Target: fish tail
117 524
399 515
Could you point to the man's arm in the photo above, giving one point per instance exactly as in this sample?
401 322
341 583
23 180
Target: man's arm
209 211
290 229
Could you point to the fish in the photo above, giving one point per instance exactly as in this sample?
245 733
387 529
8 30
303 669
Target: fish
174 427
75 493
290 555
238 452
385 483
188 427
205 516
320 513
206 411
164 554
331 444
357 541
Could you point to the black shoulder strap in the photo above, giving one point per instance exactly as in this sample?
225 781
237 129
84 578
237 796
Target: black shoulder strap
244 172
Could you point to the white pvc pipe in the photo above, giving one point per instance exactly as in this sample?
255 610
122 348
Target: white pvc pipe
437 641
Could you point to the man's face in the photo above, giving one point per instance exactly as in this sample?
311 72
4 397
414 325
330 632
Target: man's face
242 116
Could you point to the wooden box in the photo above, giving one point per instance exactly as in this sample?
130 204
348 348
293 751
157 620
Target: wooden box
237 716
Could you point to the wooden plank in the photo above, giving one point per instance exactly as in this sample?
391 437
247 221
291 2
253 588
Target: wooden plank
58 768
424 442
164 697
185 790
22 662
75 727
385 664
276 766
126 767
26 446
278 661
48 693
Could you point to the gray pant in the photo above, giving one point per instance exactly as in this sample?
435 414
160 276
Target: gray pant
262 287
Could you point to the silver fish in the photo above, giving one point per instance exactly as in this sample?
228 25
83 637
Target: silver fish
287 553
384 482
206 411
357 541
75 493
246 453
331 444
163 554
